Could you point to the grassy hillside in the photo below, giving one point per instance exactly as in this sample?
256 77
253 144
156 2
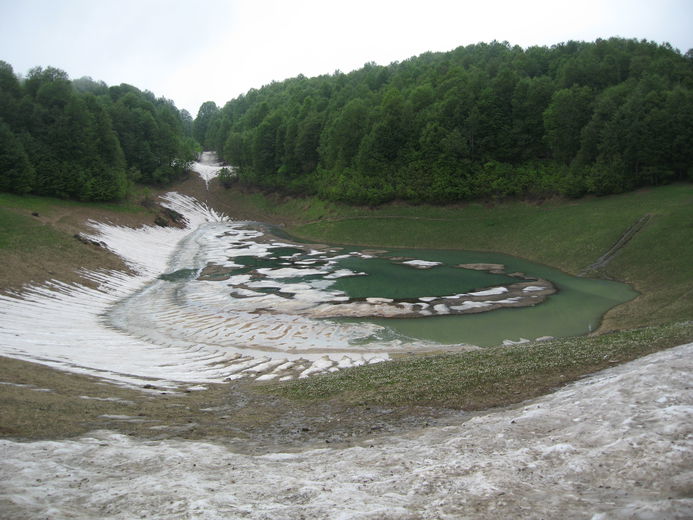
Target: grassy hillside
37 240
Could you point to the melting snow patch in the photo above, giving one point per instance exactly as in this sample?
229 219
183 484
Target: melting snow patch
379 300
627 458
514 299
490 292
320 365
509 342
208 166
532 288
441 309
466 305
421 264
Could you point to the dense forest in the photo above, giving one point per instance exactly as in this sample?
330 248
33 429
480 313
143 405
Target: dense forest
482 121
84 140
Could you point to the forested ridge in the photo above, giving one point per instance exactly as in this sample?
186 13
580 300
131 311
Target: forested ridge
481 121
85 140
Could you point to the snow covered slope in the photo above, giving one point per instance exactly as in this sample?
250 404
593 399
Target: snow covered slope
617 445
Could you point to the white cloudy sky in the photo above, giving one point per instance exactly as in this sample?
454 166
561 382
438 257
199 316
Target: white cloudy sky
197 50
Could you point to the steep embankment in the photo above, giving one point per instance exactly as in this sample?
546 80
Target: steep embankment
42 238
39 235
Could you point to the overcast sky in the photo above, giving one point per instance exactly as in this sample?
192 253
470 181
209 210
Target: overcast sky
192 51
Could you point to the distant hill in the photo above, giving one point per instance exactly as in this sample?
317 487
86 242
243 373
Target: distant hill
481 121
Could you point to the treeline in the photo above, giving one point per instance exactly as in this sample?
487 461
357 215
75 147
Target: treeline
84 140
482 121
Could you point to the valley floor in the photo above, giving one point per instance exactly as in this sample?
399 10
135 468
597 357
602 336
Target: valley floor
615 444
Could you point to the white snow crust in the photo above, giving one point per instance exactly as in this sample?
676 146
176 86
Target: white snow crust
63 326
135 327
421 264
616 445
489 292
207 166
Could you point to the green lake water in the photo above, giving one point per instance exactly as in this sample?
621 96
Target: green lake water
576 309
388 279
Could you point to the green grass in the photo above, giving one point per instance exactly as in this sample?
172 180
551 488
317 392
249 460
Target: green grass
484 378
38 248
32 203
564 234
21 232
273 207
658 262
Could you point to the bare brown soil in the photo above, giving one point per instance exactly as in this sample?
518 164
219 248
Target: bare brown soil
217 197
67 257
38 402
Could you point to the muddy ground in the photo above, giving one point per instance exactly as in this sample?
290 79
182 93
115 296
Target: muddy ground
38 402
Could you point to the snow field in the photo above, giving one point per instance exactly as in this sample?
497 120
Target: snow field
76 328
615 445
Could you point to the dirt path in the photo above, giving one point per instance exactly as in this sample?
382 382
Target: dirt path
628 234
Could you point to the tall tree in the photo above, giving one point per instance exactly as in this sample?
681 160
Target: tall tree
16 171
205 115
566 115
484 120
